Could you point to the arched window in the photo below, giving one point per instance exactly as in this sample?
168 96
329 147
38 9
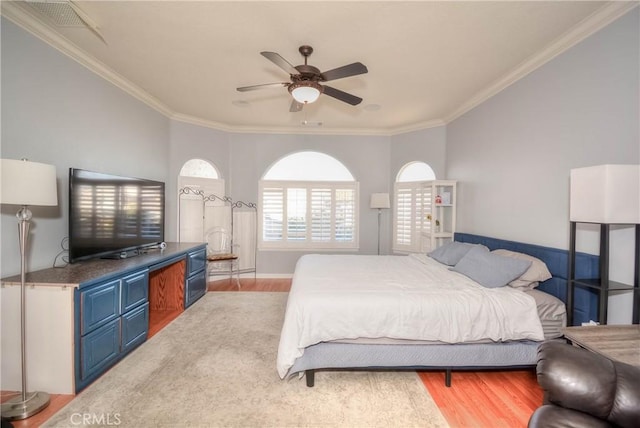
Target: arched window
308 166
408 210
415 171
199 178
308 200
199 168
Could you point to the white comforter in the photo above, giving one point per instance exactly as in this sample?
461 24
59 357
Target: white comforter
337 297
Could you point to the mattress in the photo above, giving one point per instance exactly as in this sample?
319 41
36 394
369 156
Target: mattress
336 298
551 311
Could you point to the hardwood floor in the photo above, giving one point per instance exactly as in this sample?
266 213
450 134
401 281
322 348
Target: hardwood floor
496 399
492 399
251 284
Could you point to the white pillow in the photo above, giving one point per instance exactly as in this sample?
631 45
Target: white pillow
537 272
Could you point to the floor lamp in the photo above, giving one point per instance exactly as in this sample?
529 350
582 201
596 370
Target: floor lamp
26 183
380 201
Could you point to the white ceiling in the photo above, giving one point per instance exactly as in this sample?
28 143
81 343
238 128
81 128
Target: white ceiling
429 62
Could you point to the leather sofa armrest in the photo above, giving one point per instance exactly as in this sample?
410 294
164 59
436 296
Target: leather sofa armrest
551 416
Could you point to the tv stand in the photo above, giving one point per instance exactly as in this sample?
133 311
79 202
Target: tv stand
85 317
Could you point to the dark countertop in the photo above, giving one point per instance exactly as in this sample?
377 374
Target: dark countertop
100 269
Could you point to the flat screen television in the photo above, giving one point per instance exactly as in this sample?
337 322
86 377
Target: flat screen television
113 216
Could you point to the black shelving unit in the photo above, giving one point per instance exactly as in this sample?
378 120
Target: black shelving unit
602 285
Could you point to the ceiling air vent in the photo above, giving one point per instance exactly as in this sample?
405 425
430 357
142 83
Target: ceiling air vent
59 12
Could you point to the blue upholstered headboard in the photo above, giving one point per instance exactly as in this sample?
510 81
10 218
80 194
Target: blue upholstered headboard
585 301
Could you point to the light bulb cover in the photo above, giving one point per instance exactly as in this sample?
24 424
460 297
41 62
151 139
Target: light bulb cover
305 92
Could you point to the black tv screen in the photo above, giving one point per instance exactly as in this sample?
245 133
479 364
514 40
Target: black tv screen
110 214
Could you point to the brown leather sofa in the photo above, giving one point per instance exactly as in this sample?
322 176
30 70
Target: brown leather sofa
584 389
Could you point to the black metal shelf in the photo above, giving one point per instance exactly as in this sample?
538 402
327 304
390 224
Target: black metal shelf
596 284
602 285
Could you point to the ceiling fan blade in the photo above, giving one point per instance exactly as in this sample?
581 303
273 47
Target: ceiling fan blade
280 62
341 95
295 106
344 71
263 86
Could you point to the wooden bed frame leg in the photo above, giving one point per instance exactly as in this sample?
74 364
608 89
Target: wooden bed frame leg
310 375
447 378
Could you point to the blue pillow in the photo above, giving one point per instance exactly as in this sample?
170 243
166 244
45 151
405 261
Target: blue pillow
490 270
451 253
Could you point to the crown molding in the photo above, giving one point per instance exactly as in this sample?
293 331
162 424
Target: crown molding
596 21
321 130
418 126
21 15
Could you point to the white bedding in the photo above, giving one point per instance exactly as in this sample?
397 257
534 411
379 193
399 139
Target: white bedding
336 297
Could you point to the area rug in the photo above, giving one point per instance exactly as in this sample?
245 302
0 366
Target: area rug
215 366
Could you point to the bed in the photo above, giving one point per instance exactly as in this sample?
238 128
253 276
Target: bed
405 312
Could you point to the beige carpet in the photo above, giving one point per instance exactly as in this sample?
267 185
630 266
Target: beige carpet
215 366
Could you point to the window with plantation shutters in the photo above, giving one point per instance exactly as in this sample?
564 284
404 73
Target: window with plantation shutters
308 201
308 215
411 205
410 212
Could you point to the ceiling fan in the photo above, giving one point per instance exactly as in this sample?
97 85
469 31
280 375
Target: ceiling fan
305 87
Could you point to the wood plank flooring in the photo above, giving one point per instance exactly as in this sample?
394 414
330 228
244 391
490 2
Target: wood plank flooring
492 399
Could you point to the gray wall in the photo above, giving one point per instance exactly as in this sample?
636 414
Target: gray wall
192 142
513 153
57 112
427 145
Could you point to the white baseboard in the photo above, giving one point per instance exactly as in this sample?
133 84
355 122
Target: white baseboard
260 275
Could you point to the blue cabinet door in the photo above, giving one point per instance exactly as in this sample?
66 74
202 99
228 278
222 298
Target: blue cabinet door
135 325
99 348
196 261
135 290
100 305
196 288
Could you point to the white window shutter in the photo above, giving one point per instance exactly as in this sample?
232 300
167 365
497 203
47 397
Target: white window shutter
319 215
272 206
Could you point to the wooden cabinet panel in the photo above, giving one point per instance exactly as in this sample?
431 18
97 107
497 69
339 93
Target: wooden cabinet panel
196 287
196 261
99 348
99 305
135 325
166 287
135 290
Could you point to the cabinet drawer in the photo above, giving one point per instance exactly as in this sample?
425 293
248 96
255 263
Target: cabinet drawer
196 288
196 261
135 290
99 348
99 305
135 325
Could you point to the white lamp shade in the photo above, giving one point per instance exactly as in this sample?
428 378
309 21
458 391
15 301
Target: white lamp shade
605 194
28 183
380 200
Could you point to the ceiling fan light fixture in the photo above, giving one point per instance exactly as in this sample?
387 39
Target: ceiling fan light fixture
305 92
